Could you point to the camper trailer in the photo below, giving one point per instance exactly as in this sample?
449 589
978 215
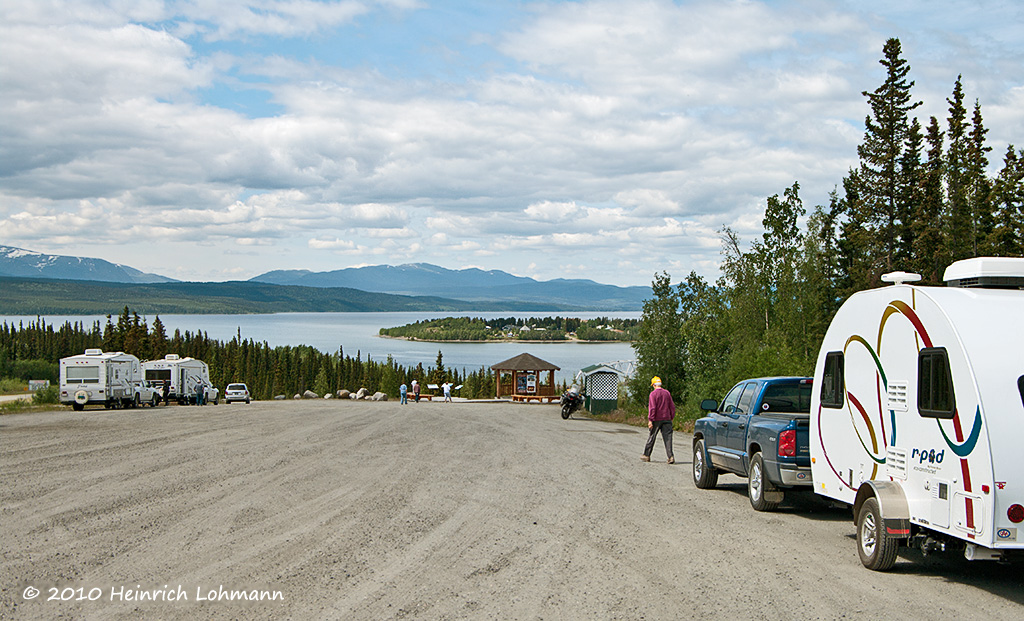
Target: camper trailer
179 377
918 413
111 379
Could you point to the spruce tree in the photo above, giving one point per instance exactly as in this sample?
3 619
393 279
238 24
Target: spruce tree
883 182
929 258
959 233
980 189
1007 237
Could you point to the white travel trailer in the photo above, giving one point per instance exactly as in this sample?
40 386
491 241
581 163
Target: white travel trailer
179 377
111 379
919 413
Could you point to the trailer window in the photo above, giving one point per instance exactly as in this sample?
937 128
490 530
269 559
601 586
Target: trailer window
833 393
158 374
935 397
83 375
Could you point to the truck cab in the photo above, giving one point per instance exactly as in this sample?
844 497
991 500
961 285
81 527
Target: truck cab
758 431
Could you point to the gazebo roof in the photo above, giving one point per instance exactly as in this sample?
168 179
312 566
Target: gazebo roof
525 362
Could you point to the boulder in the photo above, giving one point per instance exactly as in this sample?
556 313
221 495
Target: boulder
344 394
362 393
379 396
280 398
309 394
297 396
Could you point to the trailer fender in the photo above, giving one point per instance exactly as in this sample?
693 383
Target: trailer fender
892 503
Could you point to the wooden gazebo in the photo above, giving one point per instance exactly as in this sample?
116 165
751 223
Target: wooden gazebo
522 378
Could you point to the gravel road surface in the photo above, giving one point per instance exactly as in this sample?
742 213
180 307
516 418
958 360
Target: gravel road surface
364 510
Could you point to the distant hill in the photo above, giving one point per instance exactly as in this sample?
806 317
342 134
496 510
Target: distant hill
36 296
468 284
29 264
417 286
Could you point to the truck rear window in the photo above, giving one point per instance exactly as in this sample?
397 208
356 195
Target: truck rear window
793 398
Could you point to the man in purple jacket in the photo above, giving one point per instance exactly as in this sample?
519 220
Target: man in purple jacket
660 412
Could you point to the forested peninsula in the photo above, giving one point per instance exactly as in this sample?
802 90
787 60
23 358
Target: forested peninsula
475 329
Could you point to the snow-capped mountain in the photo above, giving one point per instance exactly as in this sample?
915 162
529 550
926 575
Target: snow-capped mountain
22 263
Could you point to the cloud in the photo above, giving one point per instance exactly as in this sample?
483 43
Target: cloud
594 139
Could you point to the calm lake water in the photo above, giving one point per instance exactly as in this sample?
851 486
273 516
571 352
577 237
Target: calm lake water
358 333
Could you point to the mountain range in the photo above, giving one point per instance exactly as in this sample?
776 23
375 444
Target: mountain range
22 263
467 284
436 286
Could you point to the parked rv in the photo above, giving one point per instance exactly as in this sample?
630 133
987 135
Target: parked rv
110 379
181 376
918 413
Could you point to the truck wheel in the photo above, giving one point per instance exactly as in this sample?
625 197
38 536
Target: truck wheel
153 401
876 549
704 474
758 486
136 400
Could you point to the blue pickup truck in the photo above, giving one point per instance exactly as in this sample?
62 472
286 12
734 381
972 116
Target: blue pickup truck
759 431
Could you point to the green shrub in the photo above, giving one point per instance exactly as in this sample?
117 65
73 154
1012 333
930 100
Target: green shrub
46 396
12 385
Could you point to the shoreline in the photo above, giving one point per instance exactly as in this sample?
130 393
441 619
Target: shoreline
419 340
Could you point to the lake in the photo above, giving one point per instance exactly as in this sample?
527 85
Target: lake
358 333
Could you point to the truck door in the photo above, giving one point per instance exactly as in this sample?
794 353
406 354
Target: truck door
722 418
735 438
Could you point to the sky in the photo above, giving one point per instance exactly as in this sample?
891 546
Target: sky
213 140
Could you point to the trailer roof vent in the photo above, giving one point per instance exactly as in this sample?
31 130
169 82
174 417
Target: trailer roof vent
986 273
171 357
899 278
94 352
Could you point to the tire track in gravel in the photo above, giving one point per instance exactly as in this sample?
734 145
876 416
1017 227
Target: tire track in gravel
382 511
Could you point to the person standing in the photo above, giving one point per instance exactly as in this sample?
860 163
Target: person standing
416 391
447 386
660 412
404 391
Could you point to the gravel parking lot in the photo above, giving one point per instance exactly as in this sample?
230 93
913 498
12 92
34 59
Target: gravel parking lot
360 510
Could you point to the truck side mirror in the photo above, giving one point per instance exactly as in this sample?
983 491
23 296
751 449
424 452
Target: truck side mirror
709 405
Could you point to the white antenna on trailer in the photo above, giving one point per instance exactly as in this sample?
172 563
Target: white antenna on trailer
899 278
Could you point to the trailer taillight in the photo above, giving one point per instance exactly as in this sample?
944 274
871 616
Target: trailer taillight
787 443
1015 513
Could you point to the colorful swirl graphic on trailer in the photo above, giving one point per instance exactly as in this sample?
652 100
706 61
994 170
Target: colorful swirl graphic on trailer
870 427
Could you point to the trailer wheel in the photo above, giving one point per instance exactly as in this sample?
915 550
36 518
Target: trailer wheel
876 549
759 488
704 474
76 406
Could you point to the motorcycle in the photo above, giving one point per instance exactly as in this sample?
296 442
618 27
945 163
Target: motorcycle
571 401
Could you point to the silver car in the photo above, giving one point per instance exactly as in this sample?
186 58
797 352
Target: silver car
236 392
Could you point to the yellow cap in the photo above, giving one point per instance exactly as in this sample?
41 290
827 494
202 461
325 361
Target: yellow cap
655 380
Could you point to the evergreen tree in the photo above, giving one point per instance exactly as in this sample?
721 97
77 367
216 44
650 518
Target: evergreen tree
959 234
928 246
883 182
980 190
1007 237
